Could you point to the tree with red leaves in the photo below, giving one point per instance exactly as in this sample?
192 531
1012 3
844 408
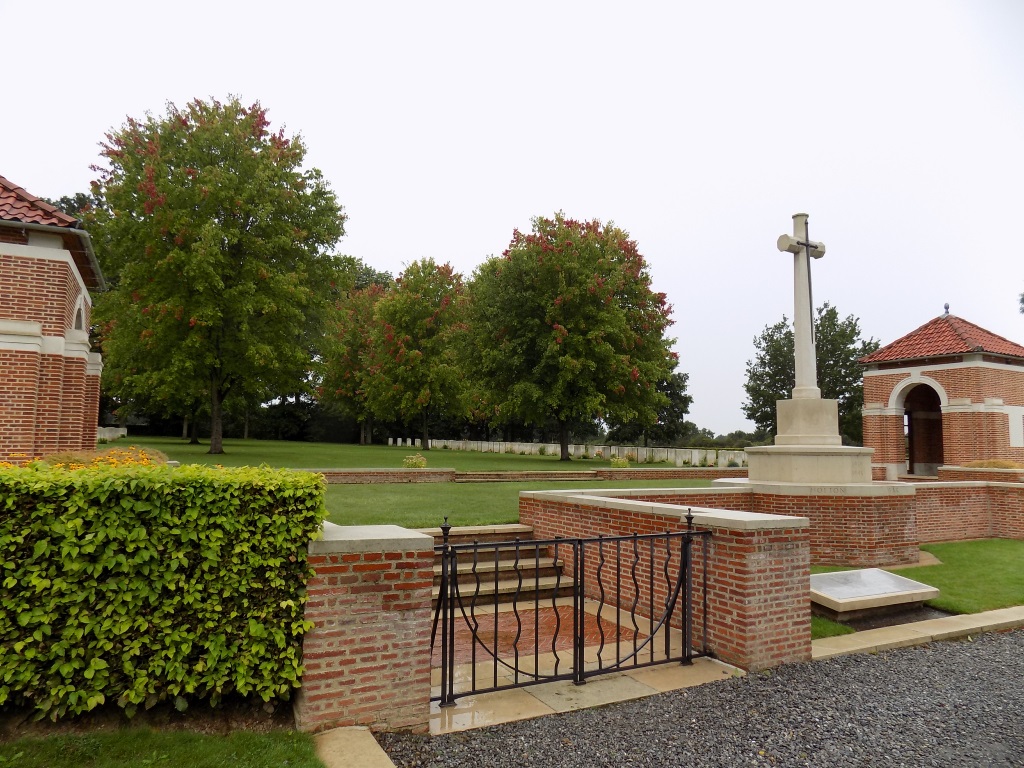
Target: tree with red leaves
216 241
566 327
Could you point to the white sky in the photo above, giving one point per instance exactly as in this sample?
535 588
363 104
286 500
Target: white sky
699 127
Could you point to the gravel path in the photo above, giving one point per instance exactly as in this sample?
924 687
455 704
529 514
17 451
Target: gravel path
956 703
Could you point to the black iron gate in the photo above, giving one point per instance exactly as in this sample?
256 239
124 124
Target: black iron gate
612 603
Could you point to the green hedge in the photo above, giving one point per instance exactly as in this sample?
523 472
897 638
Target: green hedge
140 584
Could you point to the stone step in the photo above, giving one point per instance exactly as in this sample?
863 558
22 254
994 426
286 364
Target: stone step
467 534
506 568
540 589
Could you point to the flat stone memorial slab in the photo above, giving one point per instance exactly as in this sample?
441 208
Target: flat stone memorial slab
852 594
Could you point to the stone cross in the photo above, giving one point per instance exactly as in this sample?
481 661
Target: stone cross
803 323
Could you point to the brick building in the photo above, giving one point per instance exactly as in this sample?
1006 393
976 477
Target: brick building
949 392
49 378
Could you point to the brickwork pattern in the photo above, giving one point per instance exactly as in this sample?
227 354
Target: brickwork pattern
953 512
41 290
367 660
20 372
966 436
758 584
846 530
47 402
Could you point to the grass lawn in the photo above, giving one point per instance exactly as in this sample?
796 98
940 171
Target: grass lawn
424 505
975 576
281 453
134 747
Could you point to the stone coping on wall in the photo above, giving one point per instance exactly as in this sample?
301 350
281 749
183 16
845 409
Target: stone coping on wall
873 489
368 538
705 516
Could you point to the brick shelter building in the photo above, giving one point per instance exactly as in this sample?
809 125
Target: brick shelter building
949 392
49 377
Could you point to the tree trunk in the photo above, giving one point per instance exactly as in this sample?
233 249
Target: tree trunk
194 439
184 428
216 422
245 426
563 439
425 442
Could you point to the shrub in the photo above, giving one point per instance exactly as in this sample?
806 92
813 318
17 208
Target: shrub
631 457
733 463
598 454
619 462
542 451
416 461
148 583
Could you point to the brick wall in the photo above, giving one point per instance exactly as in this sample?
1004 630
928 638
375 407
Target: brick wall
367 659
18 404
952 512
46 402
864 526
759 577
364 476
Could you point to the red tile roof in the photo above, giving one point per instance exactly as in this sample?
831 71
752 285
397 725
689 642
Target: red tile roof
943 336
18 205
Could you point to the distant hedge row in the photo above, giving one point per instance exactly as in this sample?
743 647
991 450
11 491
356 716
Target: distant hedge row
141 584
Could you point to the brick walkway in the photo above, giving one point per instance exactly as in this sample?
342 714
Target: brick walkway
532 624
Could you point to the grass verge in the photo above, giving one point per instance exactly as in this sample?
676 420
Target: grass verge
974 576
424 505
822 627
282 453
134 747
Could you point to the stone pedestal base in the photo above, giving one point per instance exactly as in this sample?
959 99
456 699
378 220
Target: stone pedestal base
811 464
810 421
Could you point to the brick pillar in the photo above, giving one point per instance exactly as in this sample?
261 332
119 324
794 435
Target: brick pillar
18 396
367 659
91 409
759 600
48 410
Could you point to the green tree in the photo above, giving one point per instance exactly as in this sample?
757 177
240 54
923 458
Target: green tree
346 353
411 366
671 416
217 240
567 328
771 375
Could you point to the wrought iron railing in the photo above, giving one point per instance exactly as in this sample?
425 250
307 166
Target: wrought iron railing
610 603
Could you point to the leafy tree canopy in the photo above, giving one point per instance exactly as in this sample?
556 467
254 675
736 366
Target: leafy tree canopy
412 358
771 375
215 238
671 423
567 328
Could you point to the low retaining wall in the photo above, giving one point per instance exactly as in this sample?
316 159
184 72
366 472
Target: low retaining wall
365 476
863 525
758 567
982 474
691 457
367 658
948 511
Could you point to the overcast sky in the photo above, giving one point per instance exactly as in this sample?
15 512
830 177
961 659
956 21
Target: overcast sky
699 127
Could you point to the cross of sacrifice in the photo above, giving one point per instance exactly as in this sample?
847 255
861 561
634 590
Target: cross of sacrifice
803 249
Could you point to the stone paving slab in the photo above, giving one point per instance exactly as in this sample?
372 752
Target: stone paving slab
351 748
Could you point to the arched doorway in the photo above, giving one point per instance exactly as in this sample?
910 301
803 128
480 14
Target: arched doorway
923 426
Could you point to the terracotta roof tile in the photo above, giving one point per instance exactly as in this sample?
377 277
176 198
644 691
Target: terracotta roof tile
18 205
943 336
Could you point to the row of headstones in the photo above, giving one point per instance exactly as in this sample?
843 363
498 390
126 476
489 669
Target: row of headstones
679 457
